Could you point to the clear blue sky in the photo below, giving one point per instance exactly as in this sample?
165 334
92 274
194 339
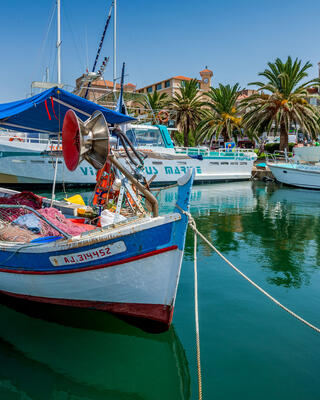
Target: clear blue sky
156 39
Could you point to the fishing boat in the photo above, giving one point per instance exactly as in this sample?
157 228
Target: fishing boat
129 265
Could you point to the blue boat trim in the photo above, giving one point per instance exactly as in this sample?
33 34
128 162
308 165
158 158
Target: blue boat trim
92 267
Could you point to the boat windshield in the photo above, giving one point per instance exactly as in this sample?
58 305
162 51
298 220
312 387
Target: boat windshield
145 136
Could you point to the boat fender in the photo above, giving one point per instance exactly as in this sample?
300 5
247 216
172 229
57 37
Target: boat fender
197 156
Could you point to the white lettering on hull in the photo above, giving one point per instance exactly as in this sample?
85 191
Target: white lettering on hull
90 255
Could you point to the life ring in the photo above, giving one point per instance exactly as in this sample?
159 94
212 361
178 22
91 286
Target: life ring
15 138
163 116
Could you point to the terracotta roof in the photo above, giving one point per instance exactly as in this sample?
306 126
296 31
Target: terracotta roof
206 70
185 78
178 77
109 84
103 82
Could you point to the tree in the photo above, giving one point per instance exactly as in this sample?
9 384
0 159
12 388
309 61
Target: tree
155 101
187 106
286 103
221 116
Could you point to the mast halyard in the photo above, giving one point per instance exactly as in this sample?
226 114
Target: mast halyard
59 82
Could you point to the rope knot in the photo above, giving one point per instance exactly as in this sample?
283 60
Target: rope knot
191 220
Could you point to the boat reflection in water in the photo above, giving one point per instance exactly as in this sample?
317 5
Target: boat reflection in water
52 352
301 201
271 226
217 197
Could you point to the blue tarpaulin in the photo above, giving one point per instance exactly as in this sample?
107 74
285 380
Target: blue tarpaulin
45 112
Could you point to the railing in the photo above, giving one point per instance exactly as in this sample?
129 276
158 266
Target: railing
280 157
51 144
204 151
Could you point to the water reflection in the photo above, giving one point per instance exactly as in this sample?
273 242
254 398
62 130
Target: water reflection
218 197
280 226
50 352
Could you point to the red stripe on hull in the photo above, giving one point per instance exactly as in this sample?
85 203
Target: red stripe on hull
154 312
111 264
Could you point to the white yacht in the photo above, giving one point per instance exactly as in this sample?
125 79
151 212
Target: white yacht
25 160
165 163
301 170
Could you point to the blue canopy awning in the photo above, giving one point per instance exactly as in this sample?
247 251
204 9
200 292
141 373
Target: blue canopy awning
45 112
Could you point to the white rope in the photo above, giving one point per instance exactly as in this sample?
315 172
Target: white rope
194 227
196 314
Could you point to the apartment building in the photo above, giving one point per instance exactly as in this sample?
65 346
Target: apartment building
172 85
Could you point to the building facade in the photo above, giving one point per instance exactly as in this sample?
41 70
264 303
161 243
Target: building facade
171 85
98 88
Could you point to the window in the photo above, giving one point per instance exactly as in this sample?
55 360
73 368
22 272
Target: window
145 136
149 89
167 84
224 163
159 86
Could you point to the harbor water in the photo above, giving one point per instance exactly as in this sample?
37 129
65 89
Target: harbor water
250 348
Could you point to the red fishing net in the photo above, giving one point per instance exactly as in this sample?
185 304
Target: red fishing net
22 225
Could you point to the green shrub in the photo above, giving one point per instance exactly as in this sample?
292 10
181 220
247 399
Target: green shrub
272 147
177 137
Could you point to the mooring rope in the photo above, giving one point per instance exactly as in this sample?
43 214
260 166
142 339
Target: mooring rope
196 312
193 226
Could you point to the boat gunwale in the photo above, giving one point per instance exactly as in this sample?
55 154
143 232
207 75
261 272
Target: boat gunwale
293 168
93 237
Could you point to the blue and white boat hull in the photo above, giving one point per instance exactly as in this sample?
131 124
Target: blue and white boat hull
132 269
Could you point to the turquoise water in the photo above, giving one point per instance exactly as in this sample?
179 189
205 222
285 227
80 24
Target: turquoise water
250 348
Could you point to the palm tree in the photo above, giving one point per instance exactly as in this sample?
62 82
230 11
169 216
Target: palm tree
286 103
155 101
187 106
221 116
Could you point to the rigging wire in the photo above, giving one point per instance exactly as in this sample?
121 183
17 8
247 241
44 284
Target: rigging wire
100 45
80 58
40 56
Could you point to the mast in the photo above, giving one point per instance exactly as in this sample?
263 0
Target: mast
59 81
58 43
114 44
